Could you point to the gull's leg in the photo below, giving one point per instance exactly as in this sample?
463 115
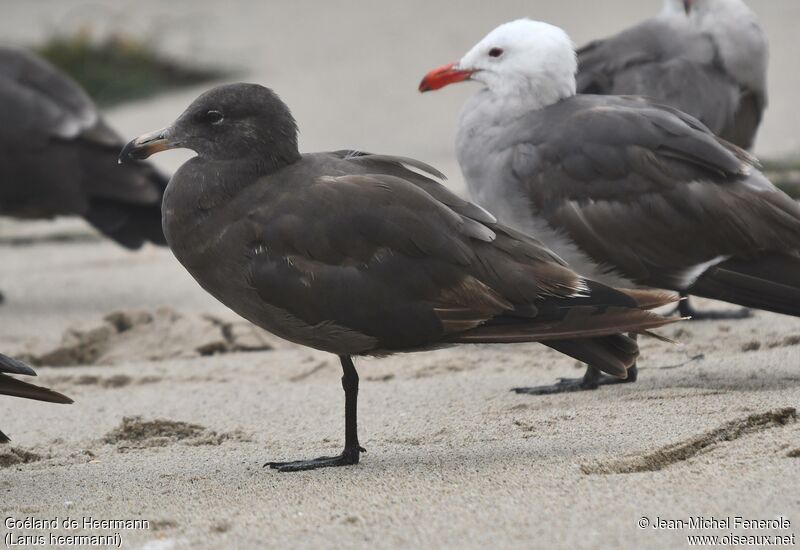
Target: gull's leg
352 450
685 309
592 379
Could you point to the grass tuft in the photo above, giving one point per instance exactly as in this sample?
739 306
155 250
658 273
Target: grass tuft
119 68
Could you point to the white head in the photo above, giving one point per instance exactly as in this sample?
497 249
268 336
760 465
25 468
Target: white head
523 59
676 7
697 9
736 31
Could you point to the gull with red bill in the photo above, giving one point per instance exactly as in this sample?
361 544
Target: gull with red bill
630 192
442 76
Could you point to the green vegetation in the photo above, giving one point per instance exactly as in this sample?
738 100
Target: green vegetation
785 174
118 68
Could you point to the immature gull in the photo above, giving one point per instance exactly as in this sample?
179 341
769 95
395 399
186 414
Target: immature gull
707 58
17 388
627 191
59 158
360 254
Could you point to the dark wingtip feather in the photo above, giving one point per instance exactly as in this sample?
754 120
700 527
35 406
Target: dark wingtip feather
18 388
131 222
767 283
613 354
13 366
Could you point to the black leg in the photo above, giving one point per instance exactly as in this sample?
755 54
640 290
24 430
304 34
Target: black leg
352 450
592 379
685 309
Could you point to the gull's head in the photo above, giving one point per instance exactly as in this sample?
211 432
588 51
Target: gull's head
518 58
678 7
698 9
228 122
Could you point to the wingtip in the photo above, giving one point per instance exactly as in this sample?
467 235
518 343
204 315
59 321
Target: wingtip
14 366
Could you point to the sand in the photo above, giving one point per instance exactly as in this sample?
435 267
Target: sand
173 418
454 458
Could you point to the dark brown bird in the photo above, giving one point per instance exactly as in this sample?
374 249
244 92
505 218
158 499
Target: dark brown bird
630 192
59 158
18 388
360 254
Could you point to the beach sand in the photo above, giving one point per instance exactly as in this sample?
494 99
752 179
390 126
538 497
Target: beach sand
454 458
172 420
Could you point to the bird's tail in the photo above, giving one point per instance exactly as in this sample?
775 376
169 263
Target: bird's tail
613 354
771 283
589 328
17 388
13 366
131 223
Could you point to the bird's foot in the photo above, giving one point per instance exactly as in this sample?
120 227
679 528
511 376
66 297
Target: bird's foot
685 309
349 456
592 380
735 315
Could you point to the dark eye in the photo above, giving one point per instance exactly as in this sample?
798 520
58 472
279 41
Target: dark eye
495 52
213 117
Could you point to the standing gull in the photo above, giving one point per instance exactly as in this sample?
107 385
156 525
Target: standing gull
360 254
629 192
58 156
18 388
707 58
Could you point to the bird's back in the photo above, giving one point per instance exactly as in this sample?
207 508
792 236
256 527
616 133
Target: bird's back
675 62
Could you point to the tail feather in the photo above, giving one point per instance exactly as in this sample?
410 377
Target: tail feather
18 388
769 283
130 225
12 366
131 222
613 354
589 328
580 322
650 299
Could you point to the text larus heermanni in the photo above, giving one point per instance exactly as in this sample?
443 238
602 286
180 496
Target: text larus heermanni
59 158
18 388
628 192
707 58
360 254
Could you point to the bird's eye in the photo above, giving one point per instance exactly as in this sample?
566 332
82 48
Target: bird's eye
495 52
213 117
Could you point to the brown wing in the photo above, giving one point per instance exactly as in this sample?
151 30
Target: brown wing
382 257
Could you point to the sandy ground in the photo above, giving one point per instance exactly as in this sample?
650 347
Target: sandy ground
455 459
172 422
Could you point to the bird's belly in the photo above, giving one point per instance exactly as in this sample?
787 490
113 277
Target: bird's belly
223 271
